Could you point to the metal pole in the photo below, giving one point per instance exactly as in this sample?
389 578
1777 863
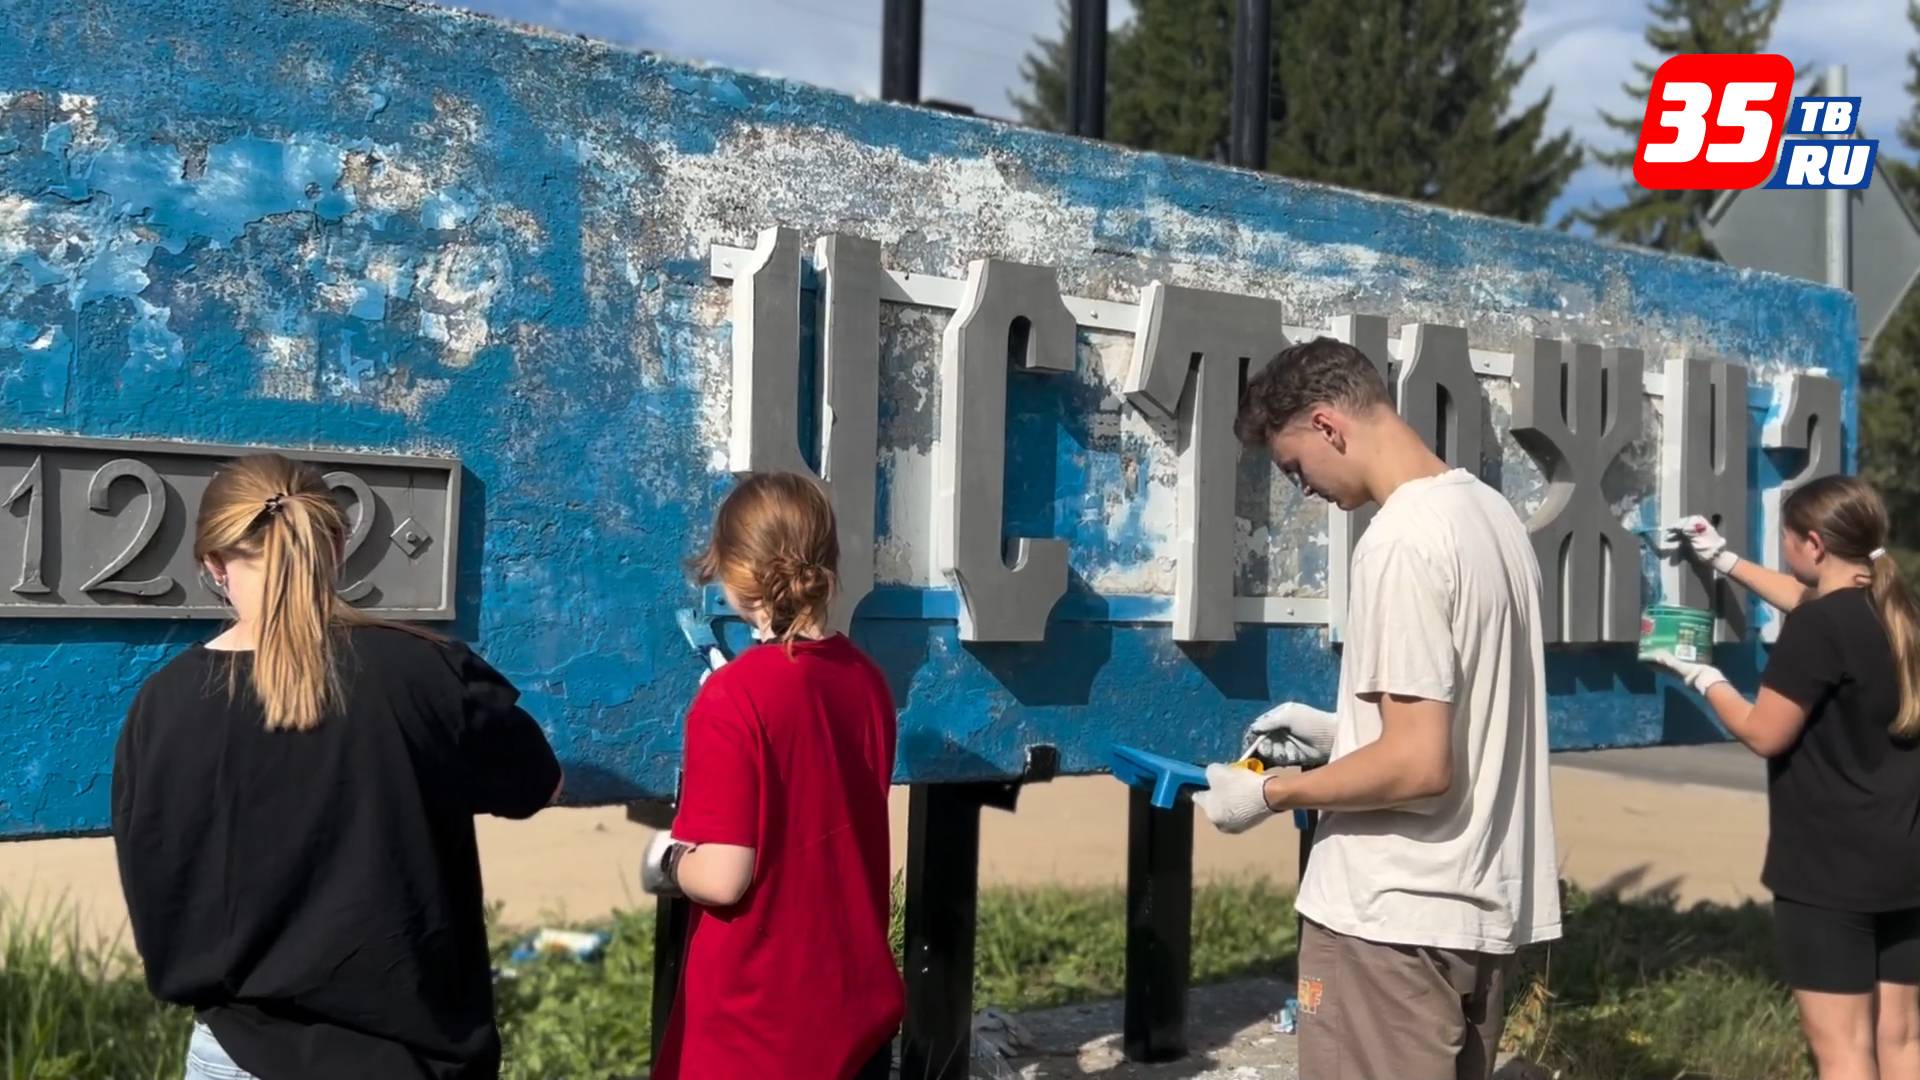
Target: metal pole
1839 225
1087 89
900 50
1252 83
672 923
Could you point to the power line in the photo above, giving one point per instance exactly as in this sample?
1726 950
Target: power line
1016 31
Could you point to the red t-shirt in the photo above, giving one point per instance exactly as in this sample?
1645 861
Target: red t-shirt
791 756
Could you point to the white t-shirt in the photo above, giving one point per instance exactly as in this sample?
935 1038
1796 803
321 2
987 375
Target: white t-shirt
1445 605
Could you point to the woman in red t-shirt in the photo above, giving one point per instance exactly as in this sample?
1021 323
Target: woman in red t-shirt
780 839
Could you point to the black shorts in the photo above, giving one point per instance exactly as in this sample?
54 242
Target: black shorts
1845 952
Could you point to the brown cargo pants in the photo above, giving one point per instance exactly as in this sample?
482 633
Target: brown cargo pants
1371 1011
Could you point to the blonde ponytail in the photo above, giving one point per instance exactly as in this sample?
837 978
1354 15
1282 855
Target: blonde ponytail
1893 602
278 510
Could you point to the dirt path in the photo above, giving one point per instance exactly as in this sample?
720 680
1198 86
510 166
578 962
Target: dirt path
1705 843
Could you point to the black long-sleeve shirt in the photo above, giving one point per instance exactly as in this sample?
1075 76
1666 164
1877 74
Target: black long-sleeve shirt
315 896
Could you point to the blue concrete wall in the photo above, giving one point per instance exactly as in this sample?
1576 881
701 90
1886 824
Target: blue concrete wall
377 226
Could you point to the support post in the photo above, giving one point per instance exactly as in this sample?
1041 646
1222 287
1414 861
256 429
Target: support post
943 892
900 45
1252 83
1087 88
672 918
1839 212
1307 821
1159 927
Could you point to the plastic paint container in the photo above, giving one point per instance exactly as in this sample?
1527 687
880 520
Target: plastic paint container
1685 632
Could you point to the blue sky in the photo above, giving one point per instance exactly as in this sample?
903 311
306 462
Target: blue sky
1585 50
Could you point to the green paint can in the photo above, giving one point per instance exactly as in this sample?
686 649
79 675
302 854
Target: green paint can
1685 632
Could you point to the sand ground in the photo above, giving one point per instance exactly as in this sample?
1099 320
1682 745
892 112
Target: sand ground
1615 832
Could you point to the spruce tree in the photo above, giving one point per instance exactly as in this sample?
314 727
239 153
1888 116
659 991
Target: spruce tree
1046 71
1401 97
1890 381
1169 78
1415 98
1670 220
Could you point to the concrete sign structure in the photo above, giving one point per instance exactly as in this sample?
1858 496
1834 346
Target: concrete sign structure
605 282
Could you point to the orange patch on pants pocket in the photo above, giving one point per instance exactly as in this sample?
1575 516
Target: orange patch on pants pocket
1309 995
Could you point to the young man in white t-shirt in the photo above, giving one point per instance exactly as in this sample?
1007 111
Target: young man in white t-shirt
1434 859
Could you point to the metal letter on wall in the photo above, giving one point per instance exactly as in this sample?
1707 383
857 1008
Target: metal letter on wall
1703 470
1808 417
766 359
1368 333
998 602
765 436
1575 414
1208 335
1439 393
849 270
103 528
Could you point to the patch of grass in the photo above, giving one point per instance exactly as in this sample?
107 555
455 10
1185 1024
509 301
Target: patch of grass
561 1018
75 1009
1638 989
1642 988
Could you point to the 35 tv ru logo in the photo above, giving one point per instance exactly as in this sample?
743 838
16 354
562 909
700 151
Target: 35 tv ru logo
1715 122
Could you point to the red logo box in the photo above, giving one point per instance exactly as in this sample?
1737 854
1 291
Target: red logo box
1713 121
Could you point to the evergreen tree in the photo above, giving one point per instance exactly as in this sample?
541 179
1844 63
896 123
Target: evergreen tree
1414 98
1169 78
1669 220
1890 381
1399 97
1046 71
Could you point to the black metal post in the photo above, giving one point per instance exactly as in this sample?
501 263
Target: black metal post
1309 821
943 893
672 917
1087 88
1252 82
900 44
1159 927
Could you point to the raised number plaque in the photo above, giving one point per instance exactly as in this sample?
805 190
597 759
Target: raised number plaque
103 528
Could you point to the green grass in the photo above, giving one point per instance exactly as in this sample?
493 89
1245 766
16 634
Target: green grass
72 1009
1640 989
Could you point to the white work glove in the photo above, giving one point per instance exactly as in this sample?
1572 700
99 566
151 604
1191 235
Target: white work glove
1235 799
1699 536
653 870
1699 677
1291 734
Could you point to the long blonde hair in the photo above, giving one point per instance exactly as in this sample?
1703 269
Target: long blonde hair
280 511
1851 520
775 546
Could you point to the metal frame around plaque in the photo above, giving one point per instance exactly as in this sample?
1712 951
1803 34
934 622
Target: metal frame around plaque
448 524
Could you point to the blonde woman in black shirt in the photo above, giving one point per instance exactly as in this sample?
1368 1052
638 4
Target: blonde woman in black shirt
293 812
1837 719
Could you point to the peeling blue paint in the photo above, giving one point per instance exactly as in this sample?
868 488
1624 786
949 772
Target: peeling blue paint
417 230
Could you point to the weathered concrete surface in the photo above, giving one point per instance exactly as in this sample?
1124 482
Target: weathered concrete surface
379 226
1231 1035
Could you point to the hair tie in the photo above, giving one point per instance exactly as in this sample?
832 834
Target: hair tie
1876 554
273 504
